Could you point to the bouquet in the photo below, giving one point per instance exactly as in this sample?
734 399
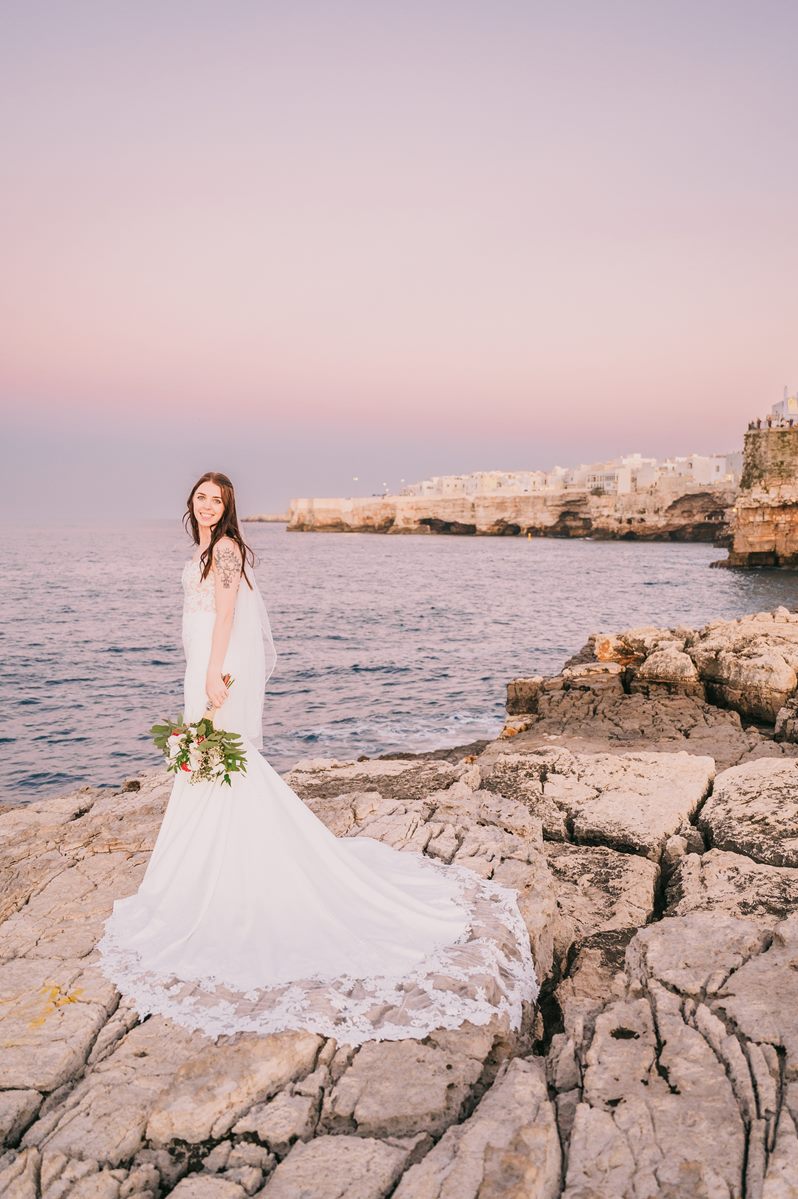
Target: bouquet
205 753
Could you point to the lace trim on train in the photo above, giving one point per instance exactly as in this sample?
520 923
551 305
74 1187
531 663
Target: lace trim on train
487 971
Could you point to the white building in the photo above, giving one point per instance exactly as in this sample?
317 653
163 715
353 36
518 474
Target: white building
516 482
786 408
481 482
705 468
611 478
617 476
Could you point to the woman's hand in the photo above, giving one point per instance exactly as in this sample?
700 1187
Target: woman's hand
215 688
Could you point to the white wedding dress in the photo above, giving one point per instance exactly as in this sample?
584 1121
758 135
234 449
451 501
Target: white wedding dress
253 916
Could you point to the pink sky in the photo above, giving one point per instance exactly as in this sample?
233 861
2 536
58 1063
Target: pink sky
389 240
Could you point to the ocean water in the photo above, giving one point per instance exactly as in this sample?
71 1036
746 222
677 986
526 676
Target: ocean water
383 643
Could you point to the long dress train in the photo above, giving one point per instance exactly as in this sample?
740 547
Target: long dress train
253 916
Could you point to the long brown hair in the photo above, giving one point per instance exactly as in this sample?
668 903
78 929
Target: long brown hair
226 526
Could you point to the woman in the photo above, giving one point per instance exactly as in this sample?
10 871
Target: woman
252 915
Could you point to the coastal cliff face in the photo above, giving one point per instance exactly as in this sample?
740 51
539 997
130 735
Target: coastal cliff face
665 513
765 520
644 805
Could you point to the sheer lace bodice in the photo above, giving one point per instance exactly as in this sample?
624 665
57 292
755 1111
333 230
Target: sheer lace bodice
198 593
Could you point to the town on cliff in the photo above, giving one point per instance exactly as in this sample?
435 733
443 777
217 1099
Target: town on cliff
745 500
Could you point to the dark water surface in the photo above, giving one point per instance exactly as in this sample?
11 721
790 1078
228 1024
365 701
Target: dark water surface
383 643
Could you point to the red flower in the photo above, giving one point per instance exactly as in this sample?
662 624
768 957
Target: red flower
185 766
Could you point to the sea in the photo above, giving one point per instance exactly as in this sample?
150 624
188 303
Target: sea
384 643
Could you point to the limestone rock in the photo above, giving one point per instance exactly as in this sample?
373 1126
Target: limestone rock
40 841
786 726
658 1113
756 684
337 1167
205 1186
213 1088
588 723
595 976
597 678
400 1089
598 890
247 1153
632 646
507 1149
217 1159
280 1122
143 1181
733 884
105 1115
249 1178
630 801
404 780
692 955
761 996
64 918
669 669
20 1174
753 810
680 1090
750 663
52 1012
675 689
523 694
17 1109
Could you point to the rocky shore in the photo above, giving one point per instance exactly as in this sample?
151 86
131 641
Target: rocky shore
674 511
644 804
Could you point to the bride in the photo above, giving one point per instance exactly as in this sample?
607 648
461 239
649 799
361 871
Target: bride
252 915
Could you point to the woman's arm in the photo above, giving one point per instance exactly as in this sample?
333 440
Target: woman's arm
227 577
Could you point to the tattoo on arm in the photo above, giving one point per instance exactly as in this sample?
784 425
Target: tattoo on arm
228 564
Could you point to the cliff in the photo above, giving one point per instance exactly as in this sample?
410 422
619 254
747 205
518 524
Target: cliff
646 813
765 518
663 513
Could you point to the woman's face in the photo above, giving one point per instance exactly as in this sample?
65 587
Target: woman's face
208 504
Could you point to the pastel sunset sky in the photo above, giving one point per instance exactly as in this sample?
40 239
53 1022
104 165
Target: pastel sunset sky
302 242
